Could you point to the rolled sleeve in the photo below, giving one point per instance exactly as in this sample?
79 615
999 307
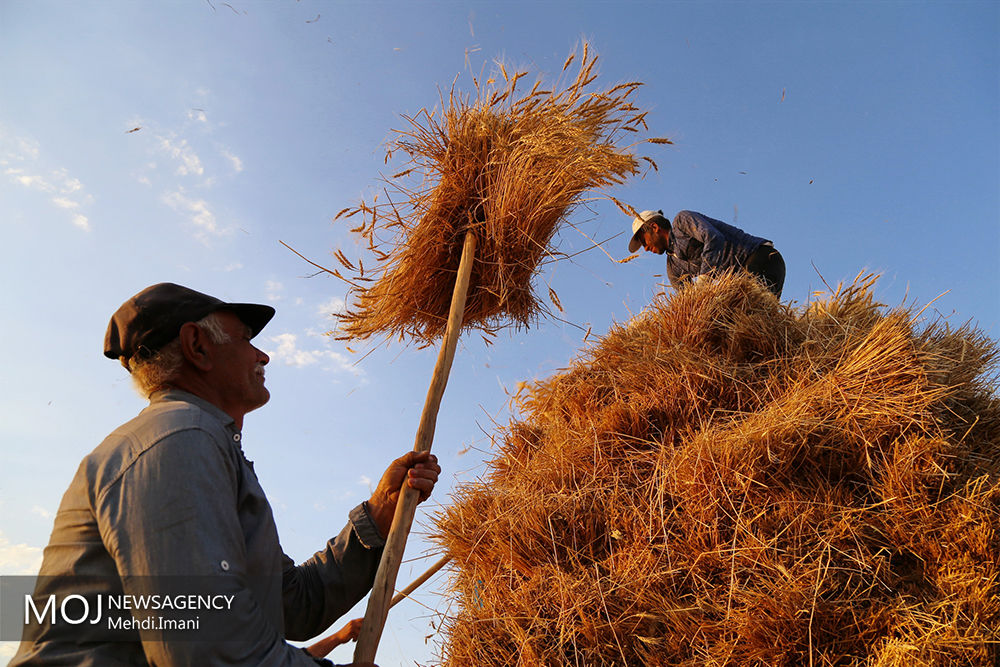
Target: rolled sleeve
365 528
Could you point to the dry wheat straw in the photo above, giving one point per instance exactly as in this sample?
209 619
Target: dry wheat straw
508 165
724 480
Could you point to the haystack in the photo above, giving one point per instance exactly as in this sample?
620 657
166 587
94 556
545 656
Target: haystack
507 165
725 480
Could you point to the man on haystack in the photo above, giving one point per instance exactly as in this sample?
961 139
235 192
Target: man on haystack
697 245
169 510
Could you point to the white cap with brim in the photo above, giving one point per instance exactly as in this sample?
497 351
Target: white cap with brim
637 224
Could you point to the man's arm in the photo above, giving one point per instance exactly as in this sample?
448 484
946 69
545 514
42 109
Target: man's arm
702 228
324 588
348 633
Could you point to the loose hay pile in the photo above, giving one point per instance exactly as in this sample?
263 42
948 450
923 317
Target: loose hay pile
726 481
508 167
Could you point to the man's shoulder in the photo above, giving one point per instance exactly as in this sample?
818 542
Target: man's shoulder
169 415
159 424
686 222
163 418
693 218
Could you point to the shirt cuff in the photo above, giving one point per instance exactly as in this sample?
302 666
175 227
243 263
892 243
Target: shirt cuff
319 661
365 528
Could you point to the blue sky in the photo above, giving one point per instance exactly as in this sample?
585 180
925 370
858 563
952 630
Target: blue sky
857 136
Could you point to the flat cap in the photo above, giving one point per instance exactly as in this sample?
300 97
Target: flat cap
153 317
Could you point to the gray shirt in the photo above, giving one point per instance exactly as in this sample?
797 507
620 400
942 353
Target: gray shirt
169 501
700 245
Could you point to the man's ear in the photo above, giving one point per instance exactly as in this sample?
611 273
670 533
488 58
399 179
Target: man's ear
195 346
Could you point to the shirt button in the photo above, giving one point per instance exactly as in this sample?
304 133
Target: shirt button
225 565
236 437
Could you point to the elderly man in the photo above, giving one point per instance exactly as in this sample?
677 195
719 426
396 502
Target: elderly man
166 518
698 245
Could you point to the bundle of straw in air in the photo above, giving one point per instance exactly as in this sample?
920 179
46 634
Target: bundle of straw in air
509 167
724 480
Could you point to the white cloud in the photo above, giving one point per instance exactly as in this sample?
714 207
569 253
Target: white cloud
36 182
69 185
18 559
62 202
41 511
33 181
142 174
272 290
17 148
27 149
233 266
233 160
288 352
190 163
334 305
82 222
197 210
179 149
365 481
29 174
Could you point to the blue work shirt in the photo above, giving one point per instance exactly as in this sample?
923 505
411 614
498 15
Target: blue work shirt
170 497
700 245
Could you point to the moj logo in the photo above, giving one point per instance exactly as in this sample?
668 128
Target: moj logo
97 609
74 614
74 610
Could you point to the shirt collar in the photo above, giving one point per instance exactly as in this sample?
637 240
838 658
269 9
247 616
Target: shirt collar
171 394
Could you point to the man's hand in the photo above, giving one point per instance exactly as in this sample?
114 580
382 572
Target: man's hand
419 469
347 633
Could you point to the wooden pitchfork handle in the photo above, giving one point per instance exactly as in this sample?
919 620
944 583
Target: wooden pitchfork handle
406 506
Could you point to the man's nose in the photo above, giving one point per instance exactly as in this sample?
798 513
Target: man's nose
262 356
